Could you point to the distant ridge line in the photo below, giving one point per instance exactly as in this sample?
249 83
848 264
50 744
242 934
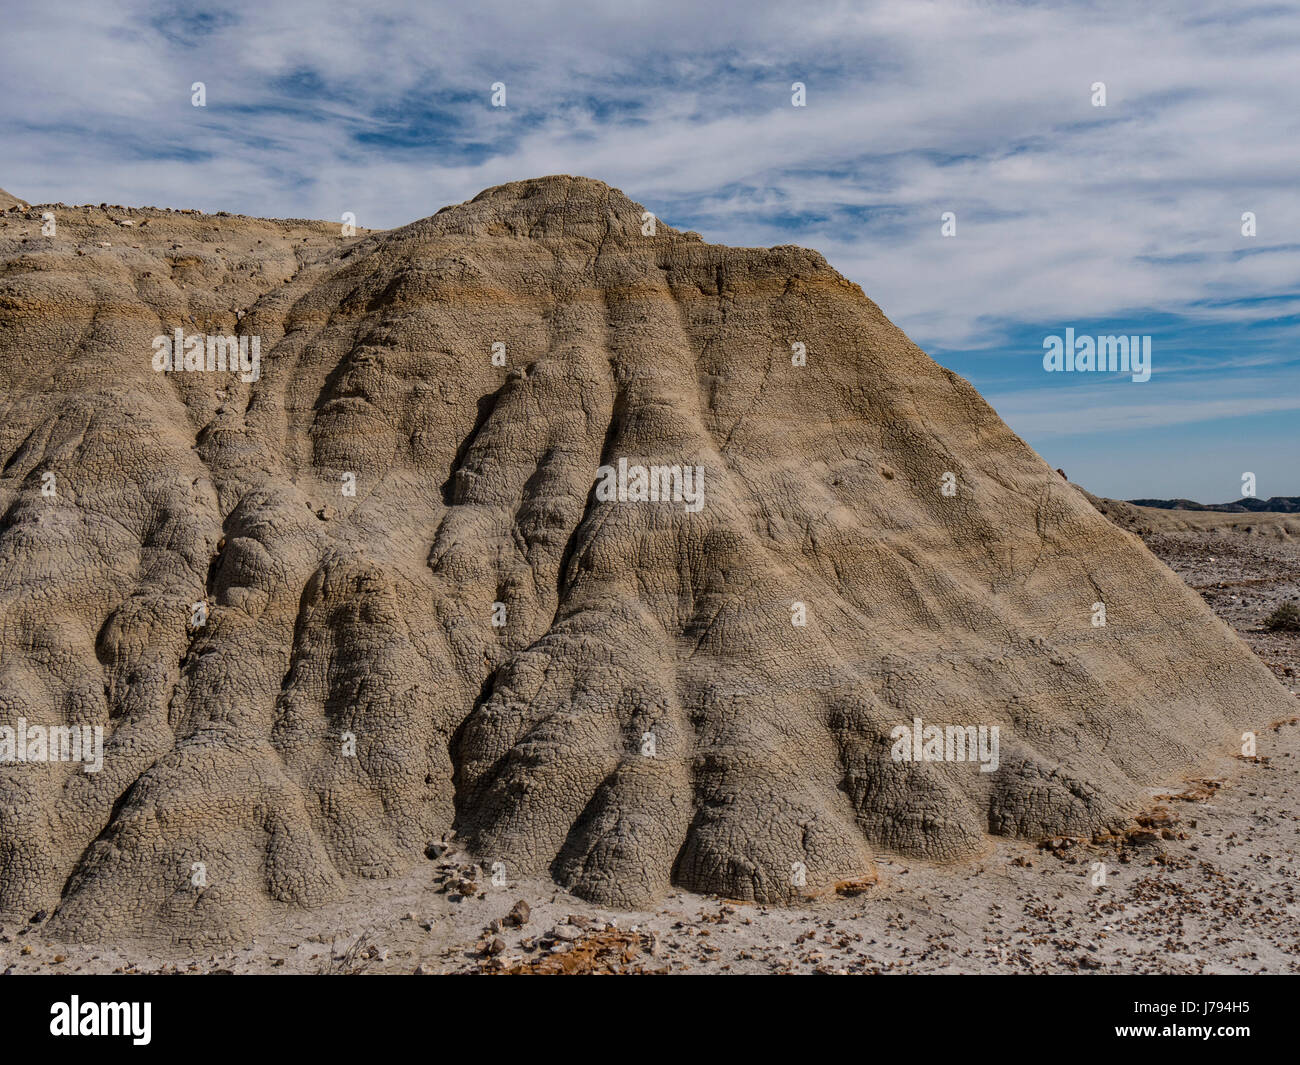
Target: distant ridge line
1273 505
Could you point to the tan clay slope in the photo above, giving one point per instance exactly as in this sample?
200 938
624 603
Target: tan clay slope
8 200
626 623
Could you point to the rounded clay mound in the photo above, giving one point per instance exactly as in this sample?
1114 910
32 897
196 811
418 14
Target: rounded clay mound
614 693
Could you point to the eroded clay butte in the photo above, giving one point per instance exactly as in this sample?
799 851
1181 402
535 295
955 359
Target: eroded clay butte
372 614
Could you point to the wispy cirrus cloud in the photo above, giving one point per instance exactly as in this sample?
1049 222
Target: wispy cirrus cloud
1066 213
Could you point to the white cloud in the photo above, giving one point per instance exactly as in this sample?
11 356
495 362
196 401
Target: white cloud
1065 211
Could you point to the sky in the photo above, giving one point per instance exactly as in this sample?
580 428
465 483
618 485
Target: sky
1122 219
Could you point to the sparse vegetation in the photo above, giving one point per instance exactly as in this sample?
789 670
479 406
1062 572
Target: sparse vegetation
1286 618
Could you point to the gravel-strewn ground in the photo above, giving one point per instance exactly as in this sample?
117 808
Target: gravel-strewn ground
1209 882
1244 578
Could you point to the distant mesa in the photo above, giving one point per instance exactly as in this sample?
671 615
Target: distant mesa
1274 505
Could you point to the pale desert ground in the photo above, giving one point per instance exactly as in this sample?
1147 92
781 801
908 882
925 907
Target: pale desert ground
1208 885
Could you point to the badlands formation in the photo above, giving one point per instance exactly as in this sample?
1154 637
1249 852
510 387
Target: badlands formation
376 589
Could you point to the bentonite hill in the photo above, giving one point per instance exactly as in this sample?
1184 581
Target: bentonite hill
328 615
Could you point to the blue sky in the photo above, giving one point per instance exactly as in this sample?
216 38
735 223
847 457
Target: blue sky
1121 219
